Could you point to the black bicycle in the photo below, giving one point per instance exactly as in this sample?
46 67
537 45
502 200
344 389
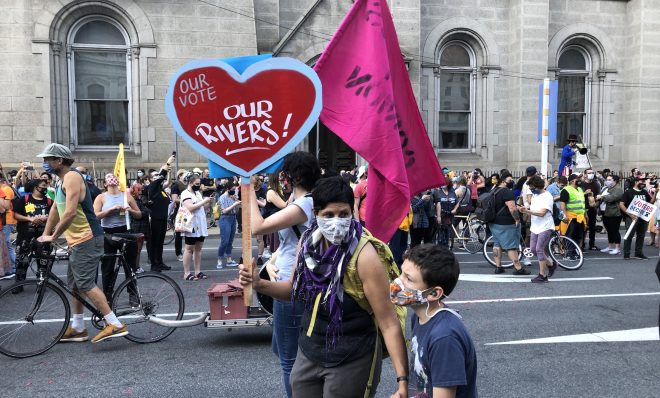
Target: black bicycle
34 320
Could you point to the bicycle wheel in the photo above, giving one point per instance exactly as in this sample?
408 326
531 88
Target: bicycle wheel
20 338
170 228
565 252
470 239
148 295
490 257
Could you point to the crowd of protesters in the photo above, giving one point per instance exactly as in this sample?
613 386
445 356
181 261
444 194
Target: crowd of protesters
309 224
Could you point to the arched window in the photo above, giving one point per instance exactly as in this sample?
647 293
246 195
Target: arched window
99 82
455 93
574 66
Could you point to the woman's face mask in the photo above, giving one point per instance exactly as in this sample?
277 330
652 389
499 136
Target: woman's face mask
404 296
609 183
334 229
140 174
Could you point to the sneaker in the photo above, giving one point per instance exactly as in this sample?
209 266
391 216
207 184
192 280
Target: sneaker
165 267
110 332
540 279
499 270
614 252
551 270
72 335
17 290
8 275
521 271
527 262
139 270
594 248
606 250
232 263
156 269
640 257
179 257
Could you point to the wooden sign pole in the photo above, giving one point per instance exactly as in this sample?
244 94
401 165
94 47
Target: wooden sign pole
246 217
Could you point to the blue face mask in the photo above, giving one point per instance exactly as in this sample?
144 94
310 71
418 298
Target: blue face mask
48 168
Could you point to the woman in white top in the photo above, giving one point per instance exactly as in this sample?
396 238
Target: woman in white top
542 226
192 200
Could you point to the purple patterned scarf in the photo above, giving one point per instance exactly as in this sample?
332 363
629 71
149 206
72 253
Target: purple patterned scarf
322 272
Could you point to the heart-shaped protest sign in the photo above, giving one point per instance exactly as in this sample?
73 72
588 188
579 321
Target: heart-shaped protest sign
244 122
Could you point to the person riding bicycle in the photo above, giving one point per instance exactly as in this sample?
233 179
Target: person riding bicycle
110 209
31 213
74 217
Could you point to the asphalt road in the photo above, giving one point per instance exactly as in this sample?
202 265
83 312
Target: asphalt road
196 361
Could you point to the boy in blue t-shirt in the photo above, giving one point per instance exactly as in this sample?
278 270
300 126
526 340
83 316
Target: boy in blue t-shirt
443 361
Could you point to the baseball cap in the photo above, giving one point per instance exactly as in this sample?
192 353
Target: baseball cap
197 170
56 151
531 170
362 170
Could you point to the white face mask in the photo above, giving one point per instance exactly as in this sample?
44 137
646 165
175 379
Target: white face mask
590 176
334 229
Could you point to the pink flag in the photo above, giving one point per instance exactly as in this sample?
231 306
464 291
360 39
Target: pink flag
369 103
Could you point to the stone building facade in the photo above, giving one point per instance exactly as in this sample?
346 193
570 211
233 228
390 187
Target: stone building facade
93 73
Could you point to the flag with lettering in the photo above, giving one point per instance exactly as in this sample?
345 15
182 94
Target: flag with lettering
369 103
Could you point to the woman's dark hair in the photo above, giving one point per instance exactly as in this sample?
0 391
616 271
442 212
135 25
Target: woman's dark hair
274 184
228 185
32 184
521 182
536 182
437 264
615 177
332 190
302 169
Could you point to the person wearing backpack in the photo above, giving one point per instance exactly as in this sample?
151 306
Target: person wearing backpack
31 214
341 278
505 225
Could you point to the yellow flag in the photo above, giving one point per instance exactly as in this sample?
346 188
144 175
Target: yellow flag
120 169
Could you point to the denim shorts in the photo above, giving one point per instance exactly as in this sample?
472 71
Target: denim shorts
506 237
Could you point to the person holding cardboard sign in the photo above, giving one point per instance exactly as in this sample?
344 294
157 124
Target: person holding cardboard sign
637 191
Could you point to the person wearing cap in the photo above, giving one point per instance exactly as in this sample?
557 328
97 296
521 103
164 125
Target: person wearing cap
571 201
73 216
637 191
360 194
159 202
567 154
110 209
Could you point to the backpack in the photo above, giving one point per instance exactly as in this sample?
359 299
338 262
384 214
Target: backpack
486 210
556 211
353 286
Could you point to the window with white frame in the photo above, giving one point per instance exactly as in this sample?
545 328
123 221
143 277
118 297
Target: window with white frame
99 82
455 96
572 112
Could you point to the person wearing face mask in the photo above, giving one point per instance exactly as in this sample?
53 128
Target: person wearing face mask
638 191
591 188
340 281
572 204
446 206
609 198
506 226
158 201
300 171
109 208
229 203
443 359
31 213
194 202
541 226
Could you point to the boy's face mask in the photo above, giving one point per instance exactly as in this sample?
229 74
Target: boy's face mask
405 296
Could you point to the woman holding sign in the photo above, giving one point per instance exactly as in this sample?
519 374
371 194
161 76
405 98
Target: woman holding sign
637 191
341 282
301 170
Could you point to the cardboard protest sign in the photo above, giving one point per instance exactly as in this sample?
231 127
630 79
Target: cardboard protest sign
244 116
246 121
641 209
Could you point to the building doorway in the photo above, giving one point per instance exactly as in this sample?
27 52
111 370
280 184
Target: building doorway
332 152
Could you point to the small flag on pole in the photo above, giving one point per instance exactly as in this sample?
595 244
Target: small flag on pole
120 173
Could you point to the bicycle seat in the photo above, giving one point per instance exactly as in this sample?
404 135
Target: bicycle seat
124 238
